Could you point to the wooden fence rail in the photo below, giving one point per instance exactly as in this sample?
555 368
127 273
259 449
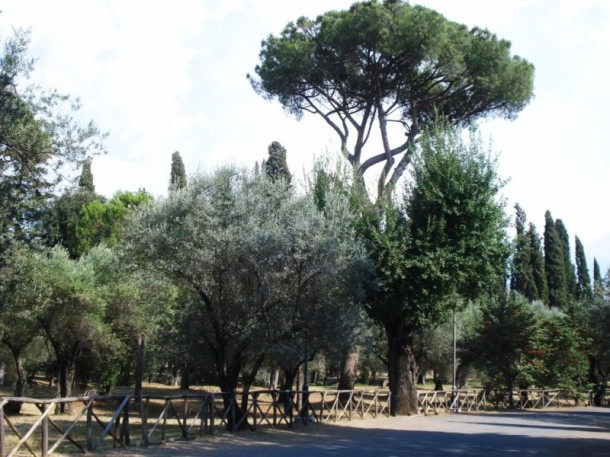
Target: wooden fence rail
101 421
121 420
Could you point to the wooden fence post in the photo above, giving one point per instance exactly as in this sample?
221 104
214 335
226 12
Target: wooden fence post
163 426
254 405
89 431
144 418
2 442
44 444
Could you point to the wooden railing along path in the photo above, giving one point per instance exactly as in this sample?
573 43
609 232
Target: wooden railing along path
102 421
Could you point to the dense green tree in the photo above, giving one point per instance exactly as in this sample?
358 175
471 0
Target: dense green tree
557 357
445 244
554 264
583 291
85 181
522 271
276 167
39 141
504 338
537 263
61 218
597 279
177 179
100 221
71 311
19 290
599 326
390 64
570 275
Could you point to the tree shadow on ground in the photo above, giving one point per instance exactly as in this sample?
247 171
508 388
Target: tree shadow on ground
466 435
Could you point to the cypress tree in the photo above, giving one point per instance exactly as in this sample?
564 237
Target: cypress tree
177 178
570 277
583 291
554 263
597 279
85 181
537 262
276 166
522 276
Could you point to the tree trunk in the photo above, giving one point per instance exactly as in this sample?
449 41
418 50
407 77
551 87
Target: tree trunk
20 383
185 376
67 370
402 371
349 370
275 375
140 360
15 407
509 387
2 370
289 377
248 380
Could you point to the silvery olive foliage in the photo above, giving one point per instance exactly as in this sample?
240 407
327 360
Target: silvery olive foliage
261 265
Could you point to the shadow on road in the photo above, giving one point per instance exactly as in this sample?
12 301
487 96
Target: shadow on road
552 434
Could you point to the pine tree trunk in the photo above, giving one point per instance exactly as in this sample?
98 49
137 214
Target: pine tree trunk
402 371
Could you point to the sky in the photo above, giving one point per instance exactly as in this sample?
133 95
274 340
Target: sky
161 78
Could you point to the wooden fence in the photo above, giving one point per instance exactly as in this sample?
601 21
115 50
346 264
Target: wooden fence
467 400
102 421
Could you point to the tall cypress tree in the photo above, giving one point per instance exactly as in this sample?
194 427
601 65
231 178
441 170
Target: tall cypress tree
85 181
583 291
276 166
554 263
522 276
597 279
177 178
537 262
570 277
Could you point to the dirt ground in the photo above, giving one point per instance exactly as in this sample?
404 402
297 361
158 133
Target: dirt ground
560 432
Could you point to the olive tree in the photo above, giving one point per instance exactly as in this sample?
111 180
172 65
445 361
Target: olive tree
256 260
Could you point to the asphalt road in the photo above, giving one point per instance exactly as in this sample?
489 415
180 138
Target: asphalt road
552 433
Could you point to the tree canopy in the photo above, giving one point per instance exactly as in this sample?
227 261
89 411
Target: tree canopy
446 241
39 139
257 263
386 64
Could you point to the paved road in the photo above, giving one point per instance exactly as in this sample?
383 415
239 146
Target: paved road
552 433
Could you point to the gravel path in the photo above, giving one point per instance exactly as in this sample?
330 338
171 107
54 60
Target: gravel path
552 433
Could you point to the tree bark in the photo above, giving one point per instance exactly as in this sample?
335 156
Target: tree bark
349 370
402 371
248 380
67 369
15 407
275 375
